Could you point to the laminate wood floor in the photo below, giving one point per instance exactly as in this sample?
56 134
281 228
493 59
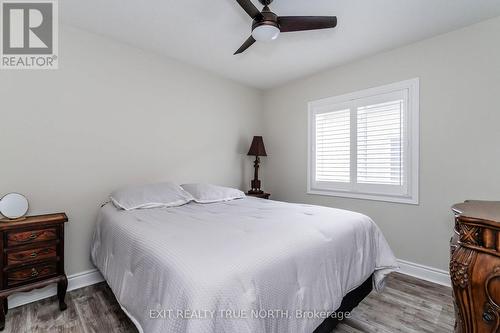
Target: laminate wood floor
407 305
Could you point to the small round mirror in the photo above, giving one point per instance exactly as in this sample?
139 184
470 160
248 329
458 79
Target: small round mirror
13 205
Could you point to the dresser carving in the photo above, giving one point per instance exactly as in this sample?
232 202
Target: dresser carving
492 309
459 267
475 267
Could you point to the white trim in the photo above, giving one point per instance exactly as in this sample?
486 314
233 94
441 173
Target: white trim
75 281
365 196
426 273
87 278
387 88
409 194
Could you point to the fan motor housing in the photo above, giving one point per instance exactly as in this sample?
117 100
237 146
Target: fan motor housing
266 18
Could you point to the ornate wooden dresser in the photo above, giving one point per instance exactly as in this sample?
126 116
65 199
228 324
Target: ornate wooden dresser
32 256
475 266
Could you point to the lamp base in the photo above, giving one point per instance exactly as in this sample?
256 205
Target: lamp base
255 185
255 192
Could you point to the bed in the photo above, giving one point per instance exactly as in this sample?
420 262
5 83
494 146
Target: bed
247 265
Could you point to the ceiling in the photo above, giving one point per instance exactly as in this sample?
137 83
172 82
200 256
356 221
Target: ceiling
205 33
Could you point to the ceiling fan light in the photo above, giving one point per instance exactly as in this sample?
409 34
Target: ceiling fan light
265 33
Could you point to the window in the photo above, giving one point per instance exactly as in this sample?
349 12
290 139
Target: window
366 144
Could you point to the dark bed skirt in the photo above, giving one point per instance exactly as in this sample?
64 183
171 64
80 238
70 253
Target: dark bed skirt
349 302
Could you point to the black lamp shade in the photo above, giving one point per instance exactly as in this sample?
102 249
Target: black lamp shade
257 148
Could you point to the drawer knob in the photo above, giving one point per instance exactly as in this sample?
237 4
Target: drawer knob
33 255
34 272
33 235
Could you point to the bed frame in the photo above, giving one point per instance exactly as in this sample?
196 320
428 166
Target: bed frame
349 302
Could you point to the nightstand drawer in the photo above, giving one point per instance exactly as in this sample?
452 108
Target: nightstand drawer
31 273
25 237
19 257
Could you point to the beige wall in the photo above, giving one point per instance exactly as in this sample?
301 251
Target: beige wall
459 134
113 115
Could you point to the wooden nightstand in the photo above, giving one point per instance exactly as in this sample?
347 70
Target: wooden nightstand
32 257
259 195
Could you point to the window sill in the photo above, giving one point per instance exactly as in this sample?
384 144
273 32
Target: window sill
365 196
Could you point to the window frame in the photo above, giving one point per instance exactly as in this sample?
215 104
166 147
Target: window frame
410 194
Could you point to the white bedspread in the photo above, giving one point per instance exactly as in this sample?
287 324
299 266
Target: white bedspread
221 264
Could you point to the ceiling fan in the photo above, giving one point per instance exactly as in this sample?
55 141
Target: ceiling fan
267 26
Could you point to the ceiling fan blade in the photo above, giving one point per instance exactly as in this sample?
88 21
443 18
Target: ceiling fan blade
249 7
249 42
300 23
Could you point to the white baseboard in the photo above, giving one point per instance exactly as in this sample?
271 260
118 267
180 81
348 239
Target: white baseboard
75 281
426 273
93 276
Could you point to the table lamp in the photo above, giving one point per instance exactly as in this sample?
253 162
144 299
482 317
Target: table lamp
257 149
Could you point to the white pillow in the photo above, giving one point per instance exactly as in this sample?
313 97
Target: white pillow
150 196
207 193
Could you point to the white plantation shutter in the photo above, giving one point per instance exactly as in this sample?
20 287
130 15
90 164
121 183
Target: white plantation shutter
365 144
333 146
380 143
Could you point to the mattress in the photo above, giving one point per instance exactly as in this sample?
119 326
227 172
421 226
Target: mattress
247 265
